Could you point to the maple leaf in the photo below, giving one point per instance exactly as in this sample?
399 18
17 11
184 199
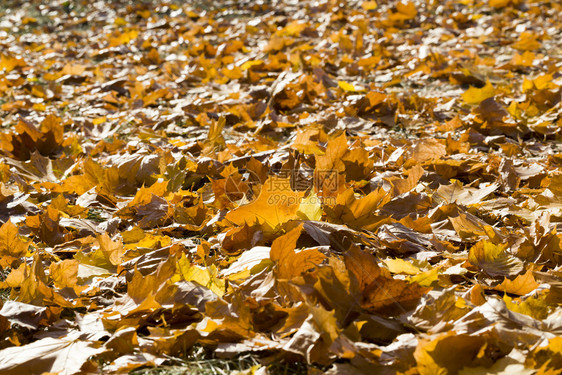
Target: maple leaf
494 260
335 151
289 262
363 189
65 273
108 253
379 290
11 245
448 353
521 285
358 212
476 95
276 204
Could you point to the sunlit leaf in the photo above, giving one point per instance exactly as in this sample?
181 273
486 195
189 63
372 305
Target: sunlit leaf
69 354
494 260
476 95
276 204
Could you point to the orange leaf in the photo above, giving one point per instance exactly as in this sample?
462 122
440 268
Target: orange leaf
10 243
65 273
276 204
521 285
291 263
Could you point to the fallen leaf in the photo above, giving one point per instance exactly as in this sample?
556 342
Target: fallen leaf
448 353
11 245
476 95
277 204
67 355
494 260
290 262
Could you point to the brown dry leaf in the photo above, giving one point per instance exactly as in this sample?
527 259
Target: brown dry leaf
555 185
25 315
107 253
427 150
240 238
358 164
34 285
494 260
463 195
16 277
318 337
47 228
509 177
468 226
34 289
433 311
363 267
307 140
123 341
401 186
380 292
356 212
392 296
403 240
335 285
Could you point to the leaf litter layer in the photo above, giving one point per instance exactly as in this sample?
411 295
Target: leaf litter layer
361 186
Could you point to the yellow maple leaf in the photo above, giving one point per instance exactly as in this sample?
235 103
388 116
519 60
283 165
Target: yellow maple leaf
206 277
527 42
310 208
64 273
11 245
476 95
447 353
276 204
494 260
426 278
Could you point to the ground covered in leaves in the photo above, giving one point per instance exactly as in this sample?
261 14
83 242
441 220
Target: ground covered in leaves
356 187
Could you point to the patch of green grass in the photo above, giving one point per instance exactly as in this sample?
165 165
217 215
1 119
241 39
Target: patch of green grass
4 292
96 214
216 367
201 361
